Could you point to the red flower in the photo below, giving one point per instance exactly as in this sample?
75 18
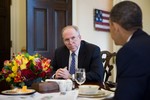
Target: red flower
28 74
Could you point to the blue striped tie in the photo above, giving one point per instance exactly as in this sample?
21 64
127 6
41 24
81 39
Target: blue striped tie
72 65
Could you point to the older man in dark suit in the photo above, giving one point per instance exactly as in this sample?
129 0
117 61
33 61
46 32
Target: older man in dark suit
87 56
133 59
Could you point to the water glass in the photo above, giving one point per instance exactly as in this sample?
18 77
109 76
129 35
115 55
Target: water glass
80 75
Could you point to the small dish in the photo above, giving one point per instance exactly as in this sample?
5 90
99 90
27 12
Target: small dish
88 89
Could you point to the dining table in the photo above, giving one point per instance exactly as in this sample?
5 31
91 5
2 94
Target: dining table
73 94
70 95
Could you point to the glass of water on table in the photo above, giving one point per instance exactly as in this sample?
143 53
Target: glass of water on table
80 76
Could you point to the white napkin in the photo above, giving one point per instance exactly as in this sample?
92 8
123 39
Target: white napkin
16 97
65 84
70 95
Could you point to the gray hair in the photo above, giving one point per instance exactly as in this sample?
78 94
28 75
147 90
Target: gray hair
71 26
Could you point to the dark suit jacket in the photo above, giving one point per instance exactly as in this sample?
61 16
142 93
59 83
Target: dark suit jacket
133 68
88 58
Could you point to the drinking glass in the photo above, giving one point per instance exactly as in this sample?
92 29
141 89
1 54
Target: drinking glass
80 76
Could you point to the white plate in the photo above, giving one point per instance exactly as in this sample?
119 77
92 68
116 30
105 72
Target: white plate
99 94
18 92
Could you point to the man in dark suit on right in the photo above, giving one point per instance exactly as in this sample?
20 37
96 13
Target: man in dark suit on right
133 59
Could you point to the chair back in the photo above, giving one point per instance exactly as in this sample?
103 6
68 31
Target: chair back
108 60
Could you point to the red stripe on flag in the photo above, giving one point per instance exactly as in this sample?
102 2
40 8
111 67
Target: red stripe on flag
101 29
106 24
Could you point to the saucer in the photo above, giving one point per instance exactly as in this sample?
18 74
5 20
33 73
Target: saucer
99 94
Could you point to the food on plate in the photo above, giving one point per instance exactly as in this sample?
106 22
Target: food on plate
24 88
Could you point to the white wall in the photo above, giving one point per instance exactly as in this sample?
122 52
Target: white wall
18 25
83 17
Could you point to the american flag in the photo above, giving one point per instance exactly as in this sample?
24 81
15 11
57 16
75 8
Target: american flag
101 20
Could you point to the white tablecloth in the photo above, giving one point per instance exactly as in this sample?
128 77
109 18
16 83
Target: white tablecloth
70 95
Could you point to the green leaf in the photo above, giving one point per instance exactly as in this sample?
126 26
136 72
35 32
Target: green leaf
32 66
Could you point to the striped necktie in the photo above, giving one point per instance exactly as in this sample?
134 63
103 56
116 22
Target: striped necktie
72 65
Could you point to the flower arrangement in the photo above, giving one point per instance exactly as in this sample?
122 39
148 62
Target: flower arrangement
23 68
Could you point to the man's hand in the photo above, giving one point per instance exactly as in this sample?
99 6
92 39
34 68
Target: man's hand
62 73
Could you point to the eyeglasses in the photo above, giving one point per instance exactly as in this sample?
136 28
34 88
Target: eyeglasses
72 39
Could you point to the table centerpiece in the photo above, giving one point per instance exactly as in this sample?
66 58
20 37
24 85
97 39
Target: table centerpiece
24 69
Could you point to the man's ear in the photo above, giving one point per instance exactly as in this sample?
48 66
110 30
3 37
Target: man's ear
116 27
79 36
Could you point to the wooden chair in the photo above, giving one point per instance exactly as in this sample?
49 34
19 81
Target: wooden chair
108 61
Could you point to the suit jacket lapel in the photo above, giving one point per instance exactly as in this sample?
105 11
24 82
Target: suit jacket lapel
64 57
81 56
